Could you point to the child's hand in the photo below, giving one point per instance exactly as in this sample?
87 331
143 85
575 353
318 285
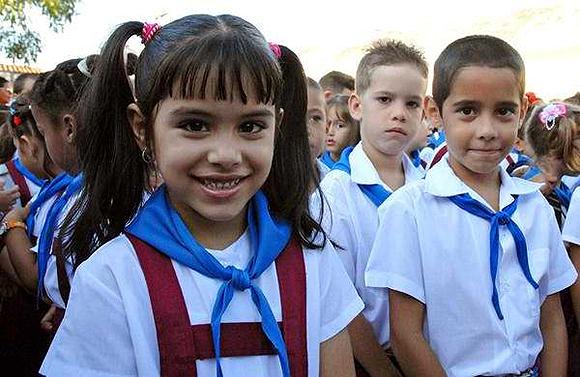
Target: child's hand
8 197
47 323
16 214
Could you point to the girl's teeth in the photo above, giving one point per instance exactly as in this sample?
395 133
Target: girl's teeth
220 185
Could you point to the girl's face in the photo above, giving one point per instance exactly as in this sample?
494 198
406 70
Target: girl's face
213 155
339 134
31 153
481 118
58 138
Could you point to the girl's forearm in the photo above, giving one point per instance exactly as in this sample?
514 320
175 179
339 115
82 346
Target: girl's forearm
22 259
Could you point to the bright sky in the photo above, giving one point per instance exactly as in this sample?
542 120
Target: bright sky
330 35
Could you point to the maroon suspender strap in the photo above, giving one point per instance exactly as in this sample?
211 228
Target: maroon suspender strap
20 180
438 156
237 339
176 346
510 159
291 273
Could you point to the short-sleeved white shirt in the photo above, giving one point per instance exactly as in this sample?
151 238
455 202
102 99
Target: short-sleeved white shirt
323 170
437 253
571 228
353 225
109 329
5 176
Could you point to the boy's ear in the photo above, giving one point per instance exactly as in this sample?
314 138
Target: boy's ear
355 107
524 108
69 127
137 122
432 112
327 95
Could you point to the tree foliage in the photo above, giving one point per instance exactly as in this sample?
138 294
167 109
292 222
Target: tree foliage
18 40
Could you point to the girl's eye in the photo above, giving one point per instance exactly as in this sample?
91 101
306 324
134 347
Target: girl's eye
383 99
195 126
251 127
340 125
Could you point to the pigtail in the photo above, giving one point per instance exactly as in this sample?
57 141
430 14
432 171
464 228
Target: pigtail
569 126
110 159
292 161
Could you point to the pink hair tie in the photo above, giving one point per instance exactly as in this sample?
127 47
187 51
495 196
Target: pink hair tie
276 50
149 31
551 113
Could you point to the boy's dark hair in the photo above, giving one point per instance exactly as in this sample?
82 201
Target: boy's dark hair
21 81
197 56
312 84
336 82
479 51
57 92
387 52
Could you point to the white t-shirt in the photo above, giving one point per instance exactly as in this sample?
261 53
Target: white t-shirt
109 330
571 228
353 225
430 249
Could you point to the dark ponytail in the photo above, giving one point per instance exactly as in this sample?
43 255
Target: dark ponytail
114 173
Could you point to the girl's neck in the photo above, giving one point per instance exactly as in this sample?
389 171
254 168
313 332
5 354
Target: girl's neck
335 156
216 235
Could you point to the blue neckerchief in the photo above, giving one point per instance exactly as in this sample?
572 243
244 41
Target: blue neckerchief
532 172
49 228
415 158
27 173
47 191
503 217
564 194
376 193
327 159
158 224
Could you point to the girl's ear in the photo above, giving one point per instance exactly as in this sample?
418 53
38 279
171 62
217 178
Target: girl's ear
432 112
28 146
137 122
69 128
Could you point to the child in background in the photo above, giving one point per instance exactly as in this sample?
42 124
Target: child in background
553 133
484 299
390 86
418 150
335 83
224 239
342 129
316 122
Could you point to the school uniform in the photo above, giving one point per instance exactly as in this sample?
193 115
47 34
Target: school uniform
111 326
353 225
13 173
323 169
437 252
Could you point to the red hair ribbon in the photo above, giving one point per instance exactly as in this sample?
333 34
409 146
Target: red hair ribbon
532 98
276 50
149 31
16 120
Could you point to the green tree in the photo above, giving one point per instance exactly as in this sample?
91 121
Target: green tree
18 40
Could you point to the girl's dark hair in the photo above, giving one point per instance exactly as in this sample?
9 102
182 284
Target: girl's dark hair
197 56
7 147
57 92
478 51
21 122
340 103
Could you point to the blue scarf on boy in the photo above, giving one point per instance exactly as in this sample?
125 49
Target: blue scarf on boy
49 229
159 224
47 191
415 158
27 173
564 194
376 193
327 159
503 217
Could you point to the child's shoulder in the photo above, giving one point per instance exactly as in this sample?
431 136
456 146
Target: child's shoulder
113 257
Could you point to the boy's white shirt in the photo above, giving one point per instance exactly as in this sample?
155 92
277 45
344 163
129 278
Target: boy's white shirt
352 223
109 330
571 228
437 253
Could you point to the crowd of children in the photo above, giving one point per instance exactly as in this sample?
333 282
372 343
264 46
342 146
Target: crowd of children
206 209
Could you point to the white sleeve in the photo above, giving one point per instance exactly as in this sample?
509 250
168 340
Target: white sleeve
395 260
561 272
339 301
93 339
571 229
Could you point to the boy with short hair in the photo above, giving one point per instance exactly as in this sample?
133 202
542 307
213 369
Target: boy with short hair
391 82
336 82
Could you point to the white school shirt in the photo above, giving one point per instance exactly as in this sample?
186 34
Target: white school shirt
571 228
323 170
353 225
5 176
430 249
109 329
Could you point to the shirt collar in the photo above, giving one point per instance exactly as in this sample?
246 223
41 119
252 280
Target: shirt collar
442 181
363 171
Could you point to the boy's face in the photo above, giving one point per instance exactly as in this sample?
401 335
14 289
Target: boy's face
390 110
481 117
316 122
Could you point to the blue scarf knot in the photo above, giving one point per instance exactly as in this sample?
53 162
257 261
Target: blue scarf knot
375 192
159 224
503 217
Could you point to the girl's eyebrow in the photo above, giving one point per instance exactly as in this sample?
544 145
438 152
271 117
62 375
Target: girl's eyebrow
180 111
